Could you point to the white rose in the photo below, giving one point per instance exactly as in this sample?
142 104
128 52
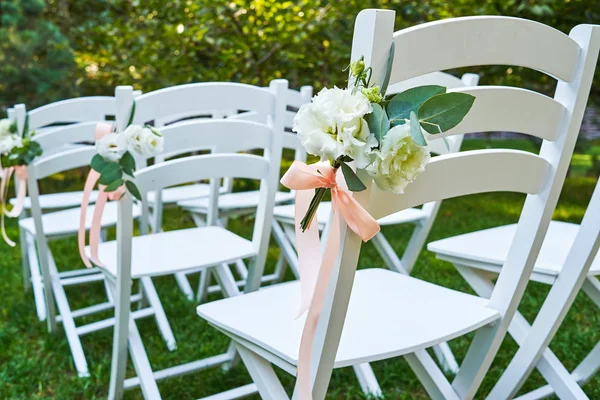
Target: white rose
400 160
112 146
133 134
8 142
5 125
332 125
152 142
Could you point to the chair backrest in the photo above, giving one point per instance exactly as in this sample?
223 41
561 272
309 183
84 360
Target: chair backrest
224 136
463 42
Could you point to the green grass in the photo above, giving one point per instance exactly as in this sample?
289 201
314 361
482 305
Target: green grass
35 364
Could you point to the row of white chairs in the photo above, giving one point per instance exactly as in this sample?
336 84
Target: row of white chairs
378 324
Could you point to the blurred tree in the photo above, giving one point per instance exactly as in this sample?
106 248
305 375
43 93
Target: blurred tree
36 61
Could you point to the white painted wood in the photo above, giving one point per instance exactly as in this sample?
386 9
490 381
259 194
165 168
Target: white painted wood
52 138
523 111
96 108
268 317
459 174
195 97
484 40
461 42
238 201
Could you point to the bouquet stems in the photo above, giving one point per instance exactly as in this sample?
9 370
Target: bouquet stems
314 203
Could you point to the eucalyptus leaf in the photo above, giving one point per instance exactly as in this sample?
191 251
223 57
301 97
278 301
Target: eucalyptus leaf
110 173
98 163
401 105
388 69
133 189
132 114
113 186
444 111
415 130
352 180
378 122
128 163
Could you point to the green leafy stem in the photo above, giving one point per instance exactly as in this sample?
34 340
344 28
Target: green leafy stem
116 174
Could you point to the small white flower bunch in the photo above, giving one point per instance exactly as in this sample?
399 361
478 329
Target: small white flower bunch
115 160
383 136
9 139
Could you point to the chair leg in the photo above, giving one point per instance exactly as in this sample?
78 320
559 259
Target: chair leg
184 285
25 242
141 363
36 279
46 262
159 312
367 380
286 247
280 268
385 250
432 378
263 375
67 320
203 285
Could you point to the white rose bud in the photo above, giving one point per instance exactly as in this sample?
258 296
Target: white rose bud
5 125
400 160
152 142
134 136
112 146
9 142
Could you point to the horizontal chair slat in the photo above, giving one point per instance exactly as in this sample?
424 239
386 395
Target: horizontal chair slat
485 40
465 173
95 108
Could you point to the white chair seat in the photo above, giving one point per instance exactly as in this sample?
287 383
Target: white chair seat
56 201
66 222
233 201
285 213
179 193
490 246
184 249
390 314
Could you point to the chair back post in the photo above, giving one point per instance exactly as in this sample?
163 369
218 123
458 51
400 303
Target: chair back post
372 39
21 116
268 189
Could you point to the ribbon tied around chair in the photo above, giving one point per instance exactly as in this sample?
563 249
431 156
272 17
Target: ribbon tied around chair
315 268
102 129
20 172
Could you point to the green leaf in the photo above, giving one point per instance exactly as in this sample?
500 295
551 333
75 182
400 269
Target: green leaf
352 180
378 122
132 114
110 173
402 104
388 69
135 192
415 130
128 163
444 111
98 163
114 185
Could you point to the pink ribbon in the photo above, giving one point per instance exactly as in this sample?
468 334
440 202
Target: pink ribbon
102 129
5 174
315 270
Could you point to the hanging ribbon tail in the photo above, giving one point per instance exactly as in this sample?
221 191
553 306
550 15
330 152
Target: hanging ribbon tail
309 259
21 174
4 182
316 305
90 183
96 227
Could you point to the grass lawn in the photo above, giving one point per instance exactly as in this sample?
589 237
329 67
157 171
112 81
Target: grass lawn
35 364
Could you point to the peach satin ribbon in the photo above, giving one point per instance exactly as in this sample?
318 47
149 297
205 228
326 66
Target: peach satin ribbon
315 270
5 174
102 129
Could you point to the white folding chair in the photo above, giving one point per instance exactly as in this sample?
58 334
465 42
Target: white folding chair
45 118
568 262
422 219
244 203
376 314
42 227
201 248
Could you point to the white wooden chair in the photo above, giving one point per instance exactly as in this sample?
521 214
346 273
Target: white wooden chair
568 262
42 227
210 246
244 203
98 108
376 313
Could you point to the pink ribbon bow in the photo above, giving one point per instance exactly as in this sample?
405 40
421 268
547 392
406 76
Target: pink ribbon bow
102 129
5 174
315 270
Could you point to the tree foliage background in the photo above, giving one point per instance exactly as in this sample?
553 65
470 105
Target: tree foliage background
57 49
